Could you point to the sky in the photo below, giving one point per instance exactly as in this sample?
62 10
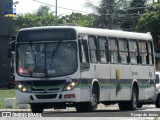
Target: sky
29 6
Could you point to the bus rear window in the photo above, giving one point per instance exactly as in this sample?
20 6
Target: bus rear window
46 35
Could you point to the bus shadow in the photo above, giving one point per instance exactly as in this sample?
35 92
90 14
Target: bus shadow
97 111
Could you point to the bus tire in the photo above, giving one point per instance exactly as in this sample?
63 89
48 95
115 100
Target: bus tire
157 103
134 100
36 108
90 106
122 106
139 105
130 105
94 100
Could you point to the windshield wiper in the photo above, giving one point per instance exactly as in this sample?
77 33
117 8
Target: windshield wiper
56 49
32 52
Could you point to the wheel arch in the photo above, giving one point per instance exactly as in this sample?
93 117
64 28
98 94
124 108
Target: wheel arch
96 84
136 85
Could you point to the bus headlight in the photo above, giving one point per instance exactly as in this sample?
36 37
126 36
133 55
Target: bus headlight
24 89
21 87
71 85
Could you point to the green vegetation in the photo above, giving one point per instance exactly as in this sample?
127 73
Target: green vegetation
43 17
150 22
128 15
5 93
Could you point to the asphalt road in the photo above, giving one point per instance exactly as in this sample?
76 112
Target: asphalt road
112 112
106 111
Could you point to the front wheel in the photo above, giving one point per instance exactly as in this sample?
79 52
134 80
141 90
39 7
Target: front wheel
36 108
157 103
90 106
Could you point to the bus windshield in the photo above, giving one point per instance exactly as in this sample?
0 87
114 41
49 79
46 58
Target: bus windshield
47 59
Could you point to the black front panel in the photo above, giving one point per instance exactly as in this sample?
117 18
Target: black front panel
35 35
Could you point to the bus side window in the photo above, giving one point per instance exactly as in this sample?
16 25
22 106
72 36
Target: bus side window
143 52
113 50
84 57
102 49
150 53
92 49
123 51
133 51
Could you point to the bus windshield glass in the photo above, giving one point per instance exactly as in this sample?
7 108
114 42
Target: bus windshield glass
47 59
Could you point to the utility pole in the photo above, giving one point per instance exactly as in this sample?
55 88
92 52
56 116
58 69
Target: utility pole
56 9
110 12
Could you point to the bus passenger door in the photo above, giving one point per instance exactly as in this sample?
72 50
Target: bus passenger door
85 80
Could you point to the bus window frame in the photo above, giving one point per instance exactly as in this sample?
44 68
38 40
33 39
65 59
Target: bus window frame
105 50
91 49
115 51
137 52
120 51
141 52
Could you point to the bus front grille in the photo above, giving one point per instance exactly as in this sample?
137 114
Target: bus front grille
38 90
49 96
45 85
49 86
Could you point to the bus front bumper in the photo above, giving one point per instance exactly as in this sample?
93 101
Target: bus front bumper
54 97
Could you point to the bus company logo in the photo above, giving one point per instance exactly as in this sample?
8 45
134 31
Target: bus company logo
10 10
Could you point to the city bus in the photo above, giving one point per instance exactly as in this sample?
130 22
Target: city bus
62 66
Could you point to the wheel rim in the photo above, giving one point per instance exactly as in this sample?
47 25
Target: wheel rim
93 100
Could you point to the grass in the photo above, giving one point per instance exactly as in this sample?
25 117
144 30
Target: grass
5 93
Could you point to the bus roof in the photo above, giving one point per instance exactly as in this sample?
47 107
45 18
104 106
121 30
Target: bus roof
99 32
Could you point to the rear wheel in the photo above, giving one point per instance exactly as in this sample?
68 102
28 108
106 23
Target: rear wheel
130 105
37 108
139 105
123 105
134 100
89 106
157 103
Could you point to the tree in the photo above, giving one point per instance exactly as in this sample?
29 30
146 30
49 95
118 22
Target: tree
150 22
78 19
133 13
43 11
118 14
109 13
31 20
100 16
42 17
